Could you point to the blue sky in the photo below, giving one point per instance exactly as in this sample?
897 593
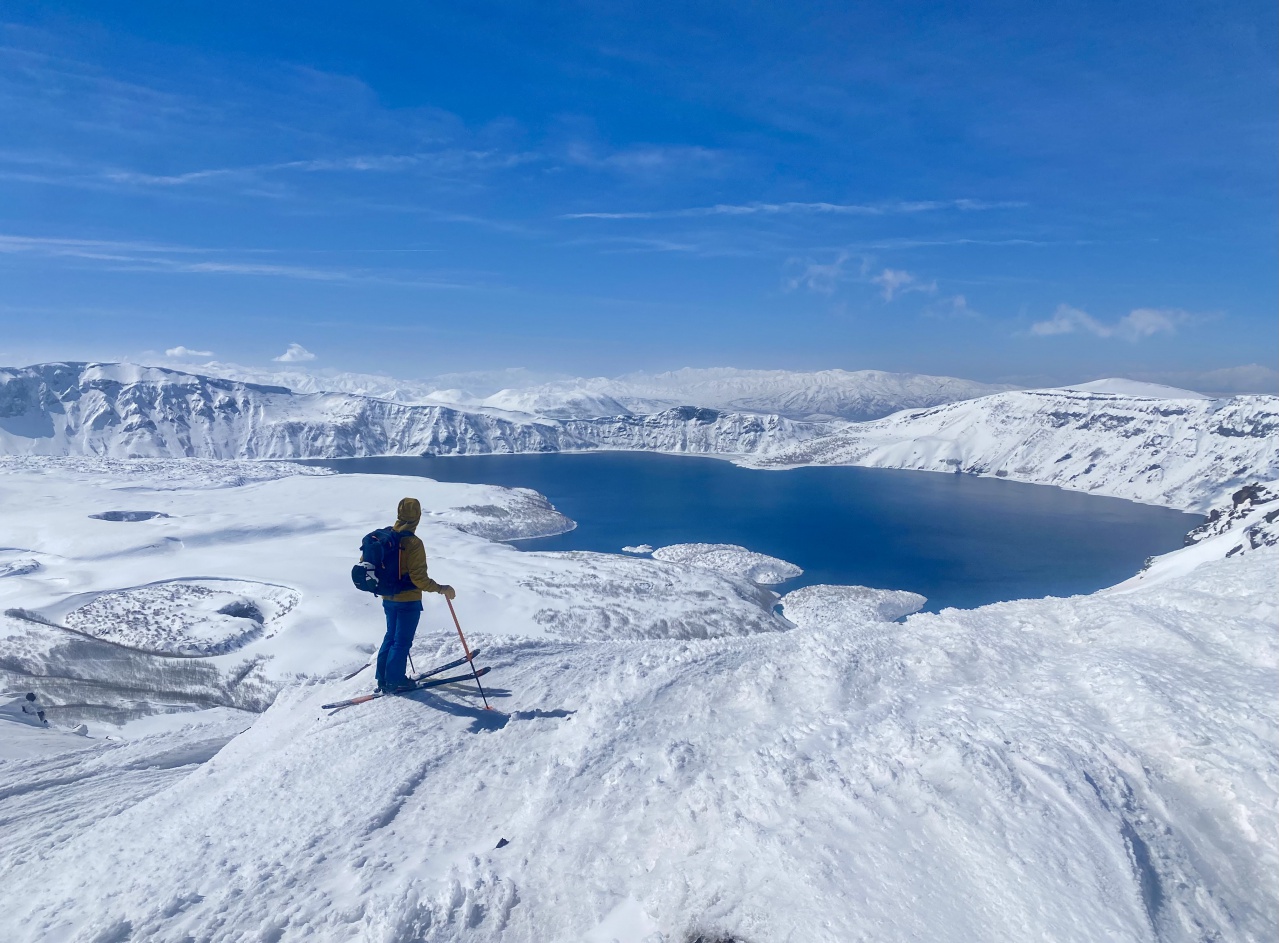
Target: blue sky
1032 192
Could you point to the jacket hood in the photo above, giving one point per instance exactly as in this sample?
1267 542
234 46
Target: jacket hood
408 513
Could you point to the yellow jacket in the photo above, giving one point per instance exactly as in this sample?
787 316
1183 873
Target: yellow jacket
412 553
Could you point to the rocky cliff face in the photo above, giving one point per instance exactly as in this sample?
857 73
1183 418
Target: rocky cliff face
123 411
1179 453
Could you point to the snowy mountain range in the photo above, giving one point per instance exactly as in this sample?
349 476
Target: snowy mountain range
826 394
124 411
1184 453
1133 440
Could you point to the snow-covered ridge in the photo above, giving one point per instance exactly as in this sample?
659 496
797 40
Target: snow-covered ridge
1183 453
824 394
127 411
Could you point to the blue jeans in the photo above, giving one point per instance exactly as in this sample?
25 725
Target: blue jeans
401 625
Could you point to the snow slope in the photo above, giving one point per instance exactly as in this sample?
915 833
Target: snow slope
672 759
1095 768
1184 453
125 411
1135 388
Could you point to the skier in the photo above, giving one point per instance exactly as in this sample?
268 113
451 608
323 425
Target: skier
32 707
403 610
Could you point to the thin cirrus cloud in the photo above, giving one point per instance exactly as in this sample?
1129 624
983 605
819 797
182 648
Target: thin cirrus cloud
1133 326
185 260
820 208
449 160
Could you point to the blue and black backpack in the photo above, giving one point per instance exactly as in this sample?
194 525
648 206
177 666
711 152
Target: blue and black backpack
378 571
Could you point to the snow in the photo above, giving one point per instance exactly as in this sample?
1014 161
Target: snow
1178 452
824 394
730 559
186 616
671 758
1185 454
1093 768
124 411
638 548
1136 388
822 604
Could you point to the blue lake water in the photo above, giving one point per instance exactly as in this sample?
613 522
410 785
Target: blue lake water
959 540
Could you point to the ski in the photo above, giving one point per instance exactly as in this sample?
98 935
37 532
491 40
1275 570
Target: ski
425 674
453 679
418 685
452 664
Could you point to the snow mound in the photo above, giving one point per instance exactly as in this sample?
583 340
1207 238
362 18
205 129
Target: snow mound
638 548
20 567
186 617
1136 388
556 403
524 515
822 605
730 559
603 596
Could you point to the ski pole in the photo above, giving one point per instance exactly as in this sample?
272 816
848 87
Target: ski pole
466 649
412 667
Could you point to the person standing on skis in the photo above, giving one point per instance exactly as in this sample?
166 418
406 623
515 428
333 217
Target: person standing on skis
404 610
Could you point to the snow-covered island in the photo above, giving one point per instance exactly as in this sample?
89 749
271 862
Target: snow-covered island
677 757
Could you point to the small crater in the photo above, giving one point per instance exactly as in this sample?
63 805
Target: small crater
127 517
243 609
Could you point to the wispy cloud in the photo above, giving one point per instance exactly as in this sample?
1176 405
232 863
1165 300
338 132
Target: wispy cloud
638 159
956 307
446 160
780 209
824 277
296 353
176 259
1133 326
894 282
850 266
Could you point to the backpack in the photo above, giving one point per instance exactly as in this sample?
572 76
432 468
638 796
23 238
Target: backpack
378 571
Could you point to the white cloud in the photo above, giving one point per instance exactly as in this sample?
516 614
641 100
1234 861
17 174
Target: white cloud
181 353
819 277
1133 326
295 354
893 282
1143 322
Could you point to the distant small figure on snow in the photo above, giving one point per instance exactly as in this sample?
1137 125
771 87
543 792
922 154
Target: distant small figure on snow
393 565
32 707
